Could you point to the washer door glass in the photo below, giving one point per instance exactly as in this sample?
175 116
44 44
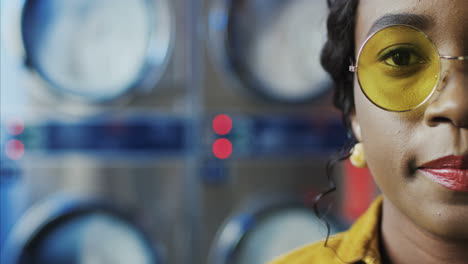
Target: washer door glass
90 239
274 46
90 48
278 232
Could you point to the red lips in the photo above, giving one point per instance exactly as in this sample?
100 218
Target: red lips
451 172
452 162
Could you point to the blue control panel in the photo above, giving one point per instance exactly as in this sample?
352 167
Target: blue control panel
251 136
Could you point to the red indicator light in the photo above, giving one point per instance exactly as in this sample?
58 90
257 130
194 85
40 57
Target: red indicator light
14 149
222 148
15 126
222 124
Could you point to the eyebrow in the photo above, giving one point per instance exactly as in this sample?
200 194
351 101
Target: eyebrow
419 21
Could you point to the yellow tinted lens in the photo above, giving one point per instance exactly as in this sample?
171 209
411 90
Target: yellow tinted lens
398 68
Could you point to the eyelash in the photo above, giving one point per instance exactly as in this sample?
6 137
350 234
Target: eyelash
388 54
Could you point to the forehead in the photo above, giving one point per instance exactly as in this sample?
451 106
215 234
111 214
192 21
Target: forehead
445 21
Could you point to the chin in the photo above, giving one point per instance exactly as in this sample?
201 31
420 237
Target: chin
448 222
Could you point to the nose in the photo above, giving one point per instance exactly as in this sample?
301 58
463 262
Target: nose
451 103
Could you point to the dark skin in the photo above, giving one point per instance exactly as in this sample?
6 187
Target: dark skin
422 222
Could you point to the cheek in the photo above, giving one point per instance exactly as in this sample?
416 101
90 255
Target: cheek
387 139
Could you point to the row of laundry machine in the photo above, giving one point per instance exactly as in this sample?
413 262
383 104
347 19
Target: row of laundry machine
107 131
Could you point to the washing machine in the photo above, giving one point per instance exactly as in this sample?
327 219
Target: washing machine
96 103
263 71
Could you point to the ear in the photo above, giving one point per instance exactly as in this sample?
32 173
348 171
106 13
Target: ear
355 126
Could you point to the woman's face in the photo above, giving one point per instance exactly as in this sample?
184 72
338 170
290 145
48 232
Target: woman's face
397 144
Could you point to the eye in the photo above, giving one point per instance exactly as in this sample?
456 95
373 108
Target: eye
401 57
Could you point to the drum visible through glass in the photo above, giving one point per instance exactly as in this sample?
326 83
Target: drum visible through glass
93 49
273 47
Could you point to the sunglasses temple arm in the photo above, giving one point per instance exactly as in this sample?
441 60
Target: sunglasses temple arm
353 68
461 58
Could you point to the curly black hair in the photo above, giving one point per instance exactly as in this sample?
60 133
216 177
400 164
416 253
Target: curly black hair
337 54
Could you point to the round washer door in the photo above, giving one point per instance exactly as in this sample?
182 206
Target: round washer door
272 46
260 235
96 50
62 231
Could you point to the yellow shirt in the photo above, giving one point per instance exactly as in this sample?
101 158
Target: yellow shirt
360 244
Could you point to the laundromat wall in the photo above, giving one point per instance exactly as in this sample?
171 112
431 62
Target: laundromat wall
111 150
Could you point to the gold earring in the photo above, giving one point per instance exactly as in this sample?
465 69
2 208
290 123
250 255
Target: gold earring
358 157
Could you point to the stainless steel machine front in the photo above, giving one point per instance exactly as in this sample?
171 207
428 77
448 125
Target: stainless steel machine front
100 90
263 69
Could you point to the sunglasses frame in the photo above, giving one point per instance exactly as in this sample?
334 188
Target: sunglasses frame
354 67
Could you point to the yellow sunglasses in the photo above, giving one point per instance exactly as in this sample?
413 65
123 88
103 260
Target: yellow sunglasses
399 68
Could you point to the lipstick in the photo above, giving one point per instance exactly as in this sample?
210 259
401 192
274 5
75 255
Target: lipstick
450 172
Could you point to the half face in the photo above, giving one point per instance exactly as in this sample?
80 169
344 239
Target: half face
400 146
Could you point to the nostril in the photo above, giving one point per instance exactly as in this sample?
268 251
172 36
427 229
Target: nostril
440 120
